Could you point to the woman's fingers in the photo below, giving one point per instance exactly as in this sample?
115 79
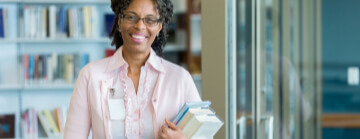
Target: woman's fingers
170 124
164 129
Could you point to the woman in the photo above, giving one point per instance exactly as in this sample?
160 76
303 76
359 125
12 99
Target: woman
134 92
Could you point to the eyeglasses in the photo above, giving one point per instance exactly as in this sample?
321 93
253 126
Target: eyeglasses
149 21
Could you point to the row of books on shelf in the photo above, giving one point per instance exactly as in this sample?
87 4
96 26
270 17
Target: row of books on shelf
198 120
42 69
61 22
52 122
3 22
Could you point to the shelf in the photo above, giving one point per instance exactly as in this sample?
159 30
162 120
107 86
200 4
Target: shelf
10 1
68 40
10 87
65 40
36 87
49 87
56 1
343 120
174 48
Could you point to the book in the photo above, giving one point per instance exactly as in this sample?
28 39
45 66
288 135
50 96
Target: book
51 121
2 27
192 112
198 120
109 21
186 107
202 126
7 126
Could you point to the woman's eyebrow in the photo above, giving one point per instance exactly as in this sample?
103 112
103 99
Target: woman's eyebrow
138 15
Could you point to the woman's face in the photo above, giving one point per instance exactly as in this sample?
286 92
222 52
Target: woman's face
139 36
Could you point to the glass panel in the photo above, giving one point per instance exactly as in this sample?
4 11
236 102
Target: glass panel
244 69
278 70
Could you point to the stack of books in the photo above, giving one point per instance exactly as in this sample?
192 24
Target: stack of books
198 120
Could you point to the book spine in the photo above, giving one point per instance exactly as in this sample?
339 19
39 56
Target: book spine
2 31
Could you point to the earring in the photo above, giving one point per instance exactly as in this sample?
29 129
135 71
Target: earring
157 35
119 30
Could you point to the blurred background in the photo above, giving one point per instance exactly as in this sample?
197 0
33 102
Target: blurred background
284 68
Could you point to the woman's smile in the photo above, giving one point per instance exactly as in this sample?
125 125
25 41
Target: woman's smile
138 37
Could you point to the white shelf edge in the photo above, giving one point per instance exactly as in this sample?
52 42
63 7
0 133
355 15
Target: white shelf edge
56 1
65 40
48 87
10 87
10 1
171 47
65 2
35 87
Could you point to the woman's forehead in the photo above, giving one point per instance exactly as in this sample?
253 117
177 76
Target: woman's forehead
142 7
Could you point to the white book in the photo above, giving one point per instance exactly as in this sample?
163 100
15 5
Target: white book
45 124
87 22
202 126
49 68
32 22
190 113
38 22
5 20
52 21
95 22
27 19
43 23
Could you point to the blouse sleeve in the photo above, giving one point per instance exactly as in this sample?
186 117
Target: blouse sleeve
78 118
191 92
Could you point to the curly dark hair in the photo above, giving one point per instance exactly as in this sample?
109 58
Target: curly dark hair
165 9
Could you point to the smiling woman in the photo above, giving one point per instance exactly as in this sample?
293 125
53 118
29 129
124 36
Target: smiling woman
132 93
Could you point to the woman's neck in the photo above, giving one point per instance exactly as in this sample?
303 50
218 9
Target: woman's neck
135 61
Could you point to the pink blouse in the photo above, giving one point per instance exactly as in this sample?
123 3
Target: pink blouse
163 89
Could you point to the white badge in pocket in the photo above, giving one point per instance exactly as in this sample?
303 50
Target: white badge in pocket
117 109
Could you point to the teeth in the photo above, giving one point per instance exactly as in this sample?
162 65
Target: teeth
138 37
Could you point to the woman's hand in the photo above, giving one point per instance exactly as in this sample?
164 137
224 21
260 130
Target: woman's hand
171 131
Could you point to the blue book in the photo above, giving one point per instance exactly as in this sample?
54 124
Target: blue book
2 31
109 21
187 106
31 66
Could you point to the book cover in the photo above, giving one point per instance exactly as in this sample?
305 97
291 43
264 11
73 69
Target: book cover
186 107
7 126
109 21
192 112
202 126
51 121
2 31
46 125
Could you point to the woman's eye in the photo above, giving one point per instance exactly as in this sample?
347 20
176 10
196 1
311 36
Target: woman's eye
150 20
131 17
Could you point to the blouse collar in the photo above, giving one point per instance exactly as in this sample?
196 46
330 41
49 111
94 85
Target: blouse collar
117 60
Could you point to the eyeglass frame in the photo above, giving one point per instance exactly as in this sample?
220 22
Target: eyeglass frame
158 20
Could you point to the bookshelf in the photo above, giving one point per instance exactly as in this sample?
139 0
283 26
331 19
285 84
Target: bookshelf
16 96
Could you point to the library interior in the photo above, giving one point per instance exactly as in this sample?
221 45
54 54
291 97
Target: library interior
276 69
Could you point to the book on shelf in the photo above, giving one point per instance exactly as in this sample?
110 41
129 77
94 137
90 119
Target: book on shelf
60 22
7 126
3 22
29 124
109 21
51 122
198 120
44 69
